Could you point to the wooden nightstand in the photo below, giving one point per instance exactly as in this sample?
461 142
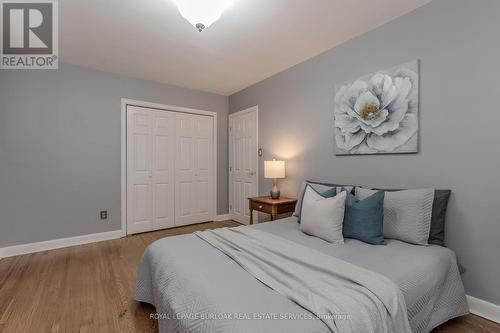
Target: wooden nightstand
271 206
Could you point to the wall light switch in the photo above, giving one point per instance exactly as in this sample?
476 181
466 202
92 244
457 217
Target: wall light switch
104 215
260 152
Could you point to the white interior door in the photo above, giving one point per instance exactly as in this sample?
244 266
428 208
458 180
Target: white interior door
243 162
194 178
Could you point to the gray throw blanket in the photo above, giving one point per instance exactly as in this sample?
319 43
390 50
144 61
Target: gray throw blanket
347 298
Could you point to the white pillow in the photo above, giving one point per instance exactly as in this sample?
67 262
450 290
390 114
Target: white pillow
320 188
407 214
323 217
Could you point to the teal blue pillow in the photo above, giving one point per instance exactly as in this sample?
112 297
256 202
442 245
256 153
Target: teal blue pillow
328 193
364 219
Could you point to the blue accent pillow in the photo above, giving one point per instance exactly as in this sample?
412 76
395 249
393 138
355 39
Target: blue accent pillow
364 219
329 193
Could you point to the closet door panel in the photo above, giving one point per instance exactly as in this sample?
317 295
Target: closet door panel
164 168
194 171
203 167
184 160
140 215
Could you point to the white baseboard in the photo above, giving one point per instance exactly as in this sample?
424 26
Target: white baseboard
58 243
484 309
223 217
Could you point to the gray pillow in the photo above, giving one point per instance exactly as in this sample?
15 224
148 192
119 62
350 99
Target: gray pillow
438 220
323 217
407 214
318 187
439 207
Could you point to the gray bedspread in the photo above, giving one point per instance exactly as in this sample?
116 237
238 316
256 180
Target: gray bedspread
346 297
197 288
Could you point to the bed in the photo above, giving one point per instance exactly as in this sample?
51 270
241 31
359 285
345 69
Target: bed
195 287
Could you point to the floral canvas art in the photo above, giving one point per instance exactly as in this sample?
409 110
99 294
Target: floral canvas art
378 113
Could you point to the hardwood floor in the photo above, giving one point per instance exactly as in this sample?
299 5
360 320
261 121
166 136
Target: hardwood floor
88 288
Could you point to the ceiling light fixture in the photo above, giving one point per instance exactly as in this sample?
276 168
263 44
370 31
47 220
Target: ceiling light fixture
202 13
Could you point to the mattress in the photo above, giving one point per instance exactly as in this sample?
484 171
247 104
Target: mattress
195 287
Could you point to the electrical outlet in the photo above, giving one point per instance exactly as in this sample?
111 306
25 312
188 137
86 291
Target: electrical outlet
104 214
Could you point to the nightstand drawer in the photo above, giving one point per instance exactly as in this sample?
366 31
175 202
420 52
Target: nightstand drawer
261 207
286 208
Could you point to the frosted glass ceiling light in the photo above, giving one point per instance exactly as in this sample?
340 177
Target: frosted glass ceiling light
202 13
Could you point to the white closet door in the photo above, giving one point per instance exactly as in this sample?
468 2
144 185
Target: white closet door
204 172
139 177
194 169
163 168
150 169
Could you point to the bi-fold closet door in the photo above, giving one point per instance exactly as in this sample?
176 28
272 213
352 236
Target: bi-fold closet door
169 169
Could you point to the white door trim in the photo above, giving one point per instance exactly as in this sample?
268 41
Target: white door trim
232 115
162 107
239 113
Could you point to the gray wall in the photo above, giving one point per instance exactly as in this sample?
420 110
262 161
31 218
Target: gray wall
60 149
457 43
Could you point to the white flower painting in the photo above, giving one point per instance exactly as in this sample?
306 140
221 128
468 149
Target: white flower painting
378 113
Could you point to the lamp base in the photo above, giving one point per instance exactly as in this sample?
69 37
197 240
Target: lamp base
275 192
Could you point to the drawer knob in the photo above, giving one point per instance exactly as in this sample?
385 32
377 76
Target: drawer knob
260 206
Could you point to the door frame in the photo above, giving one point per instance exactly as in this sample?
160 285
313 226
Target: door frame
257 162
162 107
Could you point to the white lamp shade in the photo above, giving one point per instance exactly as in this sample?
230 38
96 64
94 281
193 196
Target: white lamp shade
274 169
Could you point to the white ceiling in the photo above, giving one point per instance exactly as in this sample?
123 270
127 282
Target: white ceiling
253 40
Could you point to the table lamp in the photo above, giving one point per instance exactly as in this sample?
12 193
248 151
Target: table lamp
274 169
